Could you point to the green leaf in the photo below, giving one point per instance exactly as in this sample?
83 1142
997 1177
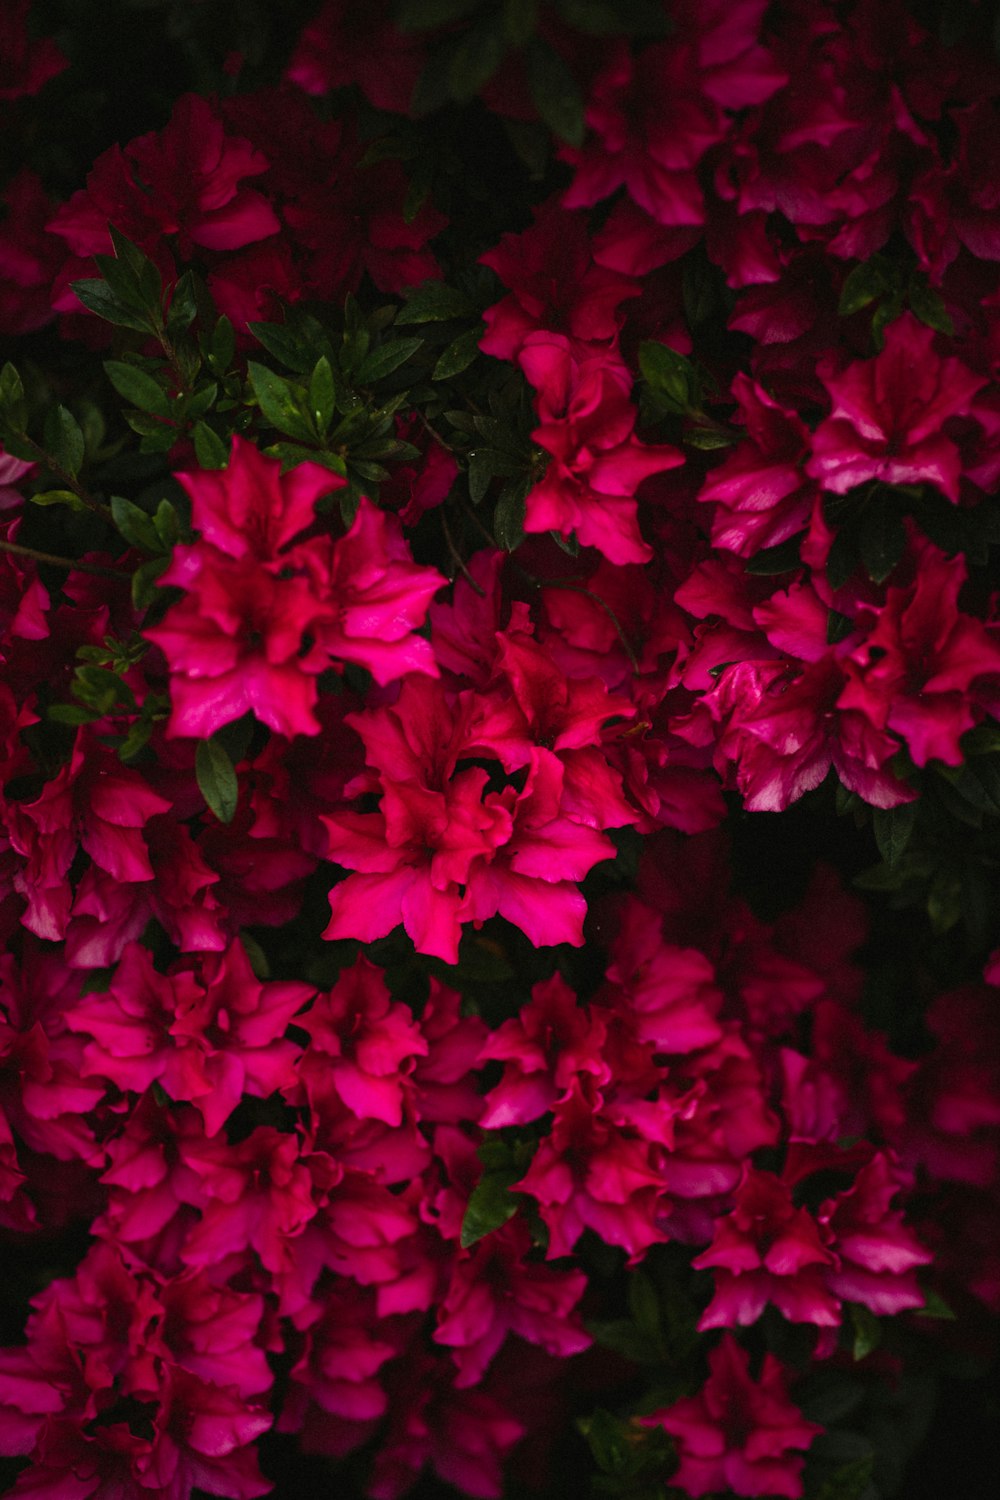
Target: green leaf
882 539
101 690
56 497
138 387
168 526
476 58
222 348
135 525
434 302
72 713
216 779
321 395
770 561
556 94
867 1331
63 440
183 303
986 771
893 827
621 1335
490 1205
866 282
279 403
385 359
935 1307
13 406
508 518
459 354
210 451
255 953
668 374
97 297
425 15
144 581
928 305
838 627
851 1482
286 344
520 17
615 17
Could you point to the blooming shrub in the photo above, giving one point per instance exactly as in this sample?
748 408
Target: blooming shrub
500 739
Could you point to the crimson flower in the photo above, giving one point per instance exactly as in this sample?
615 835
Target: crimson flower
889 415
738 1435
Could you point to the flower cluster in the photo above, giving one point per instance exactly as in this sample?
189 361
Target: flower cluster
465 463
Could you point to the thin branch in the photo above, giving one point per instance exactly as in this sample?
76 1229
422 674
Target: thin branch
69 563
456 556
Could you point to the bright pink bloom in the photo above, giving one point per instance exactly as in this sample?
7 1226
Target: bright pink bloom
367 1042
234 644
670 992
596 463
738 1434
95 803
767 1250
377 598
589 1174
250 508
889 415
761 489
258 1195
206 1037
926 669
544 1048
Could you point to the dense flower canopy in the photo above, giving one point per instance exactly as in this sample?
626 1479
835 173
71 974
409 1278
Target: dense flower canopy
500 747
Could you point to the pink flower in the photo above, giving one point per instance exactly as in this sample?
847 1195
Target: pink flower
464 1435
234 644
878 1254
889 415
652 126
670 992
555 285
738 1434
596 463
927 668
590 1174
495 1291
250 508
366 1043
94 802
208 1038
28 61
258 1195
761 488
767 1250
29 259
186 180
343 45
544 1048
376 599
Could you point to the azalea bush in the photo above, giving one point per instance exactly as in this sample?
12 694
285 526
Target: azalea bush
500 735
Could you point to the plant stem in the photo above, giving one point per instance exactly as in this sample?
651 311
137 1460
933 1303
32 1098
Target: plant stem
71 564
